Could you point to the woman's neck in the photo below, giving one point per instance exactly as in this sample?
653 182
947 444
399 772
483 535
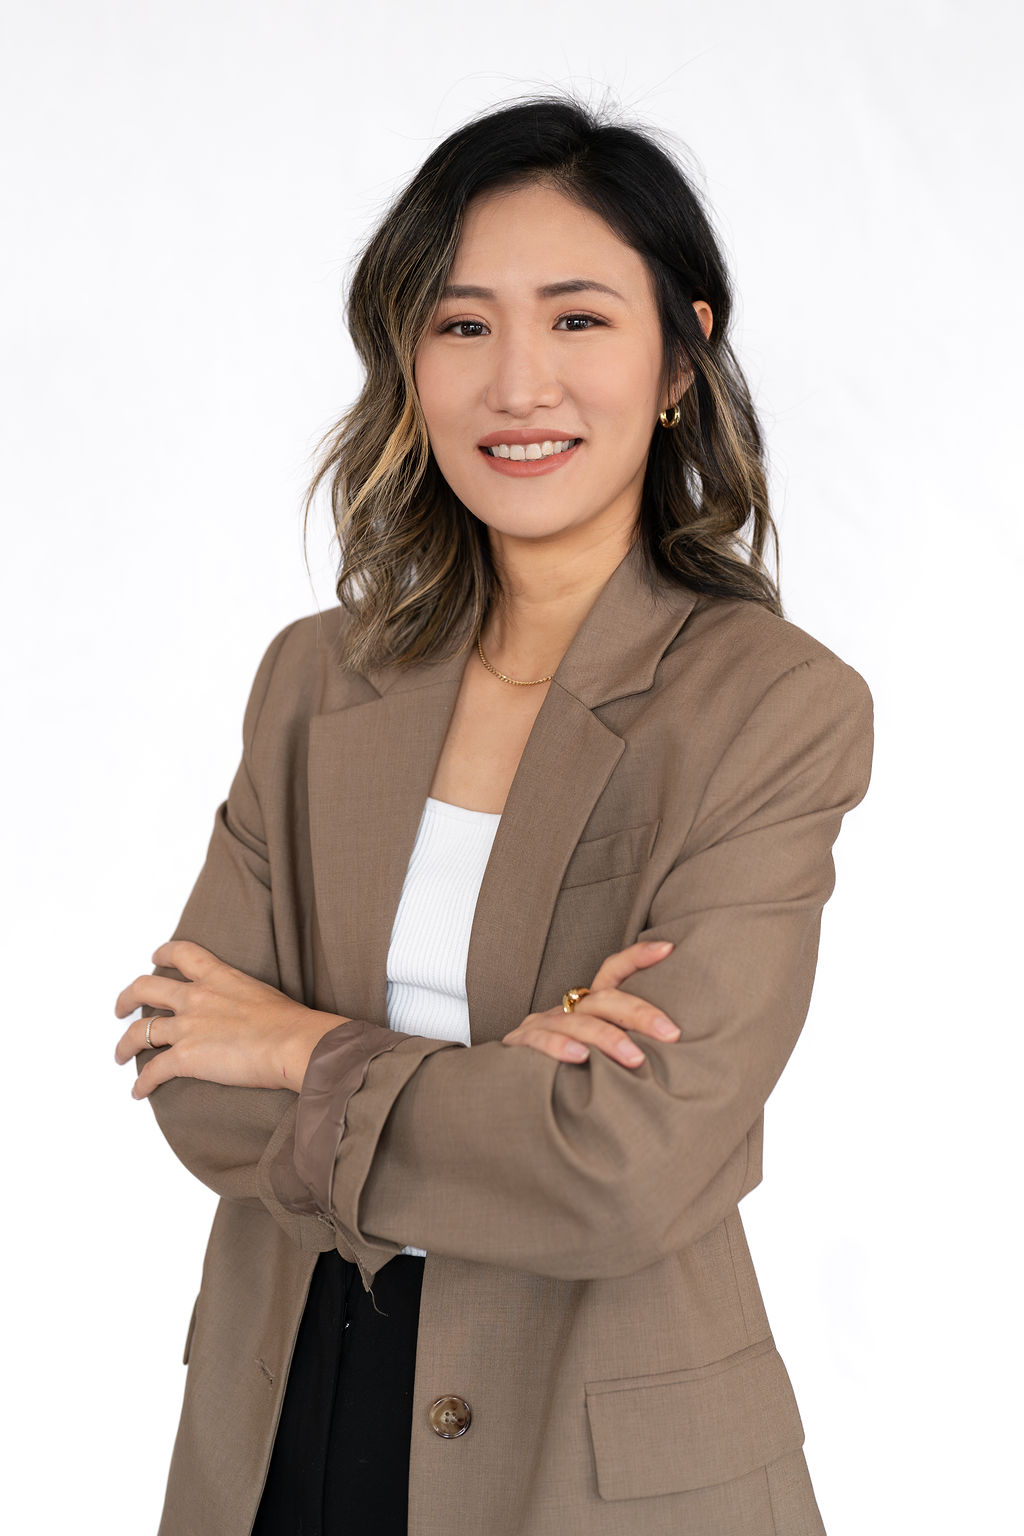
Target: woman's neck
547 593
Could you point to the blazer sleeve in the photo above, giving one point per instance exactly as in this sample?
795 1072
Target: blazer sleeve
505 1156
226 1135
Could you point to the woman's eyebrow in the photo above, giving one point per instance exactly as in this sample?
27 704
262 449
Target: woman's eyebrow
547 291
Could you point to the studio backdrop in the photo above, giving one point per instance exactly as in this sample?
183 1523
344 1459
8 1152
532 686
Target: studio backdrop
187 187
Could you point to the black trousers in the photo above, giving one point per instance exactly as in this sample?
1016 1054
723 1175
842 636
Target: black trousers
340 1462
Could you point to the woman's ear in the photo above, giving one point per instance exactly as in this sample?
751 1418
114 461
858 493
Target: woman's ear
681 374
704 315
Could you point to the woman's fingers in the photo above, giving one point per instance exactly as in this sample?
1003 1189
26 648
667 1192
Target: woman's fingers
160 1069
624 962
598 1021
149 991
628 1012
191 959
550 1042
604 1036
163 1032
602 1018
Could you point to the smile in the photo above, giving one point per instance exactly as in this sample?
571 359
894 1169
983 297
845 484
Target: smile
522 451
524 460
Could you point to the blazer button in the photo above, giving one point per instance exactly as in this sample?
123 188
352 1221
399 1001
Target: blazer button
450 1417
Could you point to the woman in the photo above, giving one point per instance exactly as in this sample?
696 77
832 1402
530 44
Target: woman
557 719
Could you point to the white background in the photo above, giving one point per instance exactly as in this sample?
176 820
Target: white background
186 186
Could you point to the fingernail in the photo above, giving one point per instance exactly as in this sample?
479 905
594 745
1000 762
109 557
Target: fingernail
660 944
631 1053
576 1052
665 1028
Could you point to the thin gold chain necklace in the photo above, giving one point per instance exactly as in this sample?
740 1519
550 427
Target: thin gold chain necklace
517 682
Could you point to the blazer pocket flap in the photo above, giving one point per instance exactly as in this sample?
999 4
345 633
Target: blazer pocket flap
688 1429
617 853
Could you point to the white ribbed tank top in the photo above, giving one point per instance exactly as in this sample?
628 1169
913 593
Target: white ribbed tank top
426 967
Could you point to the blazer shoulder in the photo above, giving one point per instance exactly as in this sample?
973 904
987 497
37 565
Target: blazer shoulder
768 693
299 674
308 640
743 647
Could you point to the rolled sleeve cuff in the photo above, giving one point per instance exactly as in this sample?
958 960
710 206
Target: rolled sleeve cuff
302 1171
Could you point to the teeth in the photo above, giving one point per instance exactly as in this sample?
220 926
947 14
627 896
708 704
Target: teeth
520 451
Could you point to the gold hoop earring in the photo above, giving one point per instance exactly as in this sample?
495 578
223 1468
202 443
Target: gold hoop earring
676 416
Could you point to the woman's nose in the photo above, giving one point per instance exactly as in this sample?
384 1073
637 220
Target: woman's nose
524 376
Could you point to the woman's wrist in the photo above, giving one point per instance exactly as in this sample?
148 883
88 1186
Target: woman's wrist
310 1028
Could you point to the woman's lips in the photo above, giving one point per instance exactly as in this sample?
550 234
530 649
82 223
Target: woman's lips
524 468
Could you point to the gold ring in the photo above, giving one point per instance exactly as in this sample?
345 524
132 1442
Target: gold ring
572 997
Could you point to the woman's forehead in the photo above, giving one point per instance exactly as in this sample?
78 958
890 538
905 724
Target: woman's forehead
533 237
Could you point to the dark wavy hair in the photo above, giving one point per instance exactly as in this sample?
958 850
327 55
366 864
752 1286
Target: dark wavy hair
416 574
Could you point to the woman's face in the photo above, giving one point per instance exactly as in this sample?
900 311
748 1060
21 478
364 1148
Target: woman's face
547 335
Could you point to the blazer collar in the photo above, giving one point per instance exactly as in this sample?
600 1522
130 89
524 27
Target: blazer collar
370 767
615 651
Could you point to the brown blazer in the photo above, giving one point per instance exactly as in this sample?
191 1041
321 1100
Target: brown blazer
588 1289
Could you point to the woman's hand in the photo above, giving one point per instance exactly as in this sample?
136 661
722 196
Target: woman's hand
227 1027
601 1018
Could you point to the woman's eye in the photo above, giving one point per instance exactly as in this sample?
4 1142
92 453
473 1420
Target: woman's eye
464 328
579 322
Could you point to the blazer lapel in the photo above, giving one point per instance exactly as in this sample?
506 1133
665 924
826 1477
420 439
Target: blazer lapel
370 769
568 759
